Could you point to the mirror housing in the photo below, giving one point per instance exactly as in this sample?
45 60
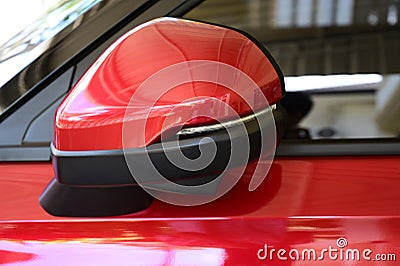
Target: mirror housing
88 146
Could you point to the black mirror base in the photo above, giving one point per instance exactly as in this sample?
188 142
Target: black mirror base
77 201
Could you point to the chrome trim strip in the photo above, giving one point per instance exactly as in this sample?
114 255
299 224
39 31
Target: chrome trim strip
60 153
227 124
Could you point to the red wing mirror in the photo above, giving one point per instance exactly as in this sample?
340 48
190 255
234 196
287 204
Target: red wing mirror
167 87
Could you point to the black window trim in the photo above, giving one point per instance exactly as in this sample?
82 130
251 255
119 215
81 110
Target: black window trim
339 147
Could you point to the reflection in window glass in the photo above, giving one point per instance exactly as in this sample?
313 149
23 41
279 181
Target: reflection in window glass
340 59
30 43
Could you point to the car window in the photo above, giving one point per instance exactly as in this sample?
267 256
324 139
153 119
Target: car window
339 57
27 45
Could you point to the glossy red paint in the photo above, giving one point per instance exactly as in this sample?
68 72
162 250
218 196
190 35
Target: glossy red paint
91 117
303 204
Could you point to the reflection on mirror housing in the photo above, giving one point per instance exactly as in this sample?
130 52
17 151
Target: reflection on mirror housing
92 178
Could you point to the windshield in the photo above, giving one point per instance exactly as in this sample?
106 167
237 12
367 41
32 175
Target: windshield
31 42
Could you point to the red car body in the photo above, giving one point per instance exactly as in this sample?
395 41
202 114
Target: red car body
303 203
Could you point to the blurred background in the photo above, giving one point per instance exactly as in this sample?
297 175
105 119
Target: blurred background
317 36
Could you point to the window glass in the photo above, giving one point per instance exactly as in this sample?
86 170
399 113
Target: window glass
339 57
31 42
